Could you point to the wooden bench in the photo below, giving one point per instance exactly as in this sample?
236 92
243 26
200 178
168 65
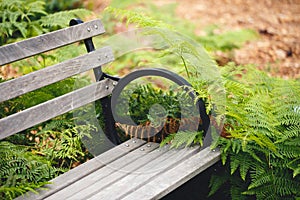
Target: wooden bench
135 169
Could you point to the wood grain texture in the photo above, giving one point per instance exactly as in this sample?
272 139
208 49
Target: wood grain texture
140 177
98 179
52 108
84 170
52 74
173 178
32 46
118 174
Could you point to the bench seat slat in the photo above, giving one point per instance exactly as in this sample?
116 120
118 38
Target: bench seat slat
84 169
32 46
117 174
102 177
146 173
170 180
52 108
52 74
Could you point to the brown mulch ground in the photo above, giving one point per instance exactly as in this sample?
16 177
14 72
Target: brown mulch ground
276 21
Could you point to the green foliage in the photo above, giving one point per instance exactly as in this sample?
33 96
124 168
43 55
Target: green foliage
136 18
21 170
141 99
262 141
168 109
60 141
227 41
56 5
260 145
27 18
165 17
123 4
183 138
53 146
41 95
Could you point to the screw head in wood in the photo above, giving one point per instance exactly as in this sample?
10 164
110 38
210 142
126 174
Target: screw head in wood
96 26
133 141
126 145
88 29
142 149
148 145
107 87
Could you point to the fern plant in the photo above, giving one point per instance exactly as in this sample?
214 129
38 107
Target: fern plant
21 170
262 142
60 141
260 137
163 110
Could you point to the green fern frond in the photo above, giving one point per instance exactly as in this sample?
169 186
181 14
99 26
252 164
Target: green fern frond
278 183
289 151
215 183
241 161
183 138
136 18
239 89
262 180
11 192
22 171
295 166
58 19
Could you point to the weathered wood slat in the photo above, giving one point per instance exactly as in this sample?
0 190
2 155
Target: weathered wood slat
144 174
170 180
52 108
101 177
84 169
49 41
52 74
118 174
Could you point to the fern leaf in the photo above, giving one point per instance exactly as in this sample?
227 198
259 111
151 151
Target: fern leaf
215 183
59 19
184 138
136 18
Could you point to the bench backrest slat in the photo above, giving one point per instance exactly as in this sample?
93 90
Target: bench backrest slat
60 105
42 112
49 41
52 74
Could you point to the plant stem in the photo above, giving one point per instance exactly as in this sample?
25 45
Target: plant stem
186 69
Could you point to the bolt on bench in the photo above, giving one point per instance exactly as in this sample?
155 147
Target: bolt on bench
135 169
